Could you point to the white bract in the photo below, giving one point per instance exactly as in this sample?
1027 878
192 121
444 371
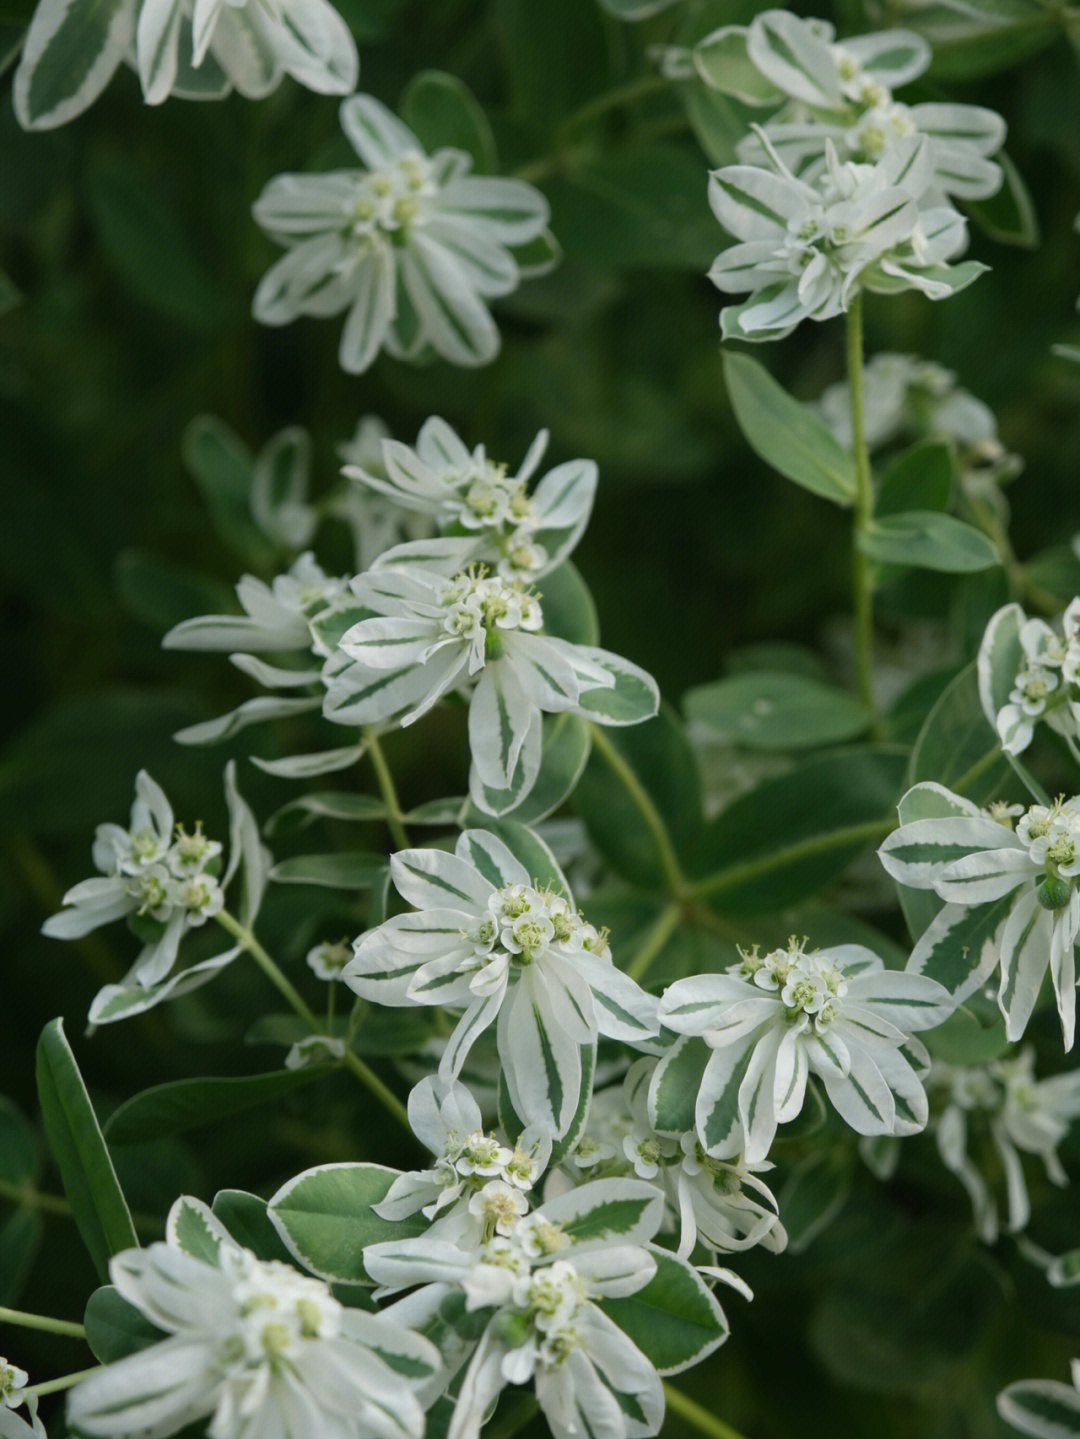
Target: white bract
723 1204
1029 672
1021 882
818 91
377 519
12 1397
541 1281
1043 1408
428 636
1002 1101
471 1165
483 512
411 248
806 248
489 941
253 1343
774 1019
165 882
196 49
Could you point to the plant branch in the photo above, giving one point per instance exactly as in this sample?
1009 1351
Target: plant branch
697 1415
394 817
65 1327
642 800
864 501
657 935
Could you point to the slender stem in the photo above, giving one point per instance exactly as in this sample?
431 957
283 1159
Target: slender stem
641 88
864 502
815 844
42 1321
387 790
386 1097
697 1415
53 1386
650 814
284 986
658 934
56 1204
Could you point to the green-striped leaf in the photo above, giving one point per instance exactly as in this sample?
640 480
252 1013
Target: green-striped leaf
674 1320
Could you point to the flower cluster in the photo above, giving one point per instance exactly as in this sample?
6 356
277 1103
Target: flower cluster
1018 885
411 247
1041 667
1017 1112
197 51
257 1345
487 939
165 882
484 513
774 1019
13 1396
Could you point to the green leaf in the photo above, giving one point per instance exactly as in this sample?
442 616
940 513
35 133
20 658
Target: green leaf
962 1040
348 869
223 468
185 1104
813 1196
787 838
956 747
160 593
246 1218
191 1229
444 113
69 55
528 849
564 750
555 57
786 434
326 1219
325 804
927 540
115 1328
22 1233
922 478
514 1125
71 1126
1009 216
674 1088
763 710
1043 1408
569 612
722 61
674 1320
643 208
659 755
20 1154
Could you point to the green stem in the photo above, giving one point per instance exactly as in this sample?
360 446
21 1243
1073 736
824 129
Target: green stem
815 844
658 934
42 1321
386 1097
864 503
669 860
695 1414
284 986
53 1386
641 88
55 1204
385 780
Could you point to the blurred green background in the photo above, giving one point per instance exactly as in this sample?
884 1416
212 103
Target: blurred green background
128 238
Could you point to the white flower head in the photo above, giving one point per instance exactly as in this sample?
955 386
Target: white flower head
1022 879
256 1345
487 940
1029 674
429 635
412 248
774 1019
13 1396
165 881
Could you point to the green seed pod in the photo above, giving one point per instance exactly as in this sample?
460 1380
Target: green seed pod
1054 893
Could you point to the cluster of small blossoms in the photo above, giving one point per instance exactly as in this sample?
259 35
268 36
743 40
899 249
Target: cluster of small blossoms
484 512
1019 1114
1041 665
253 1343
1018 875
773 1019
197 51
412 247
13 1396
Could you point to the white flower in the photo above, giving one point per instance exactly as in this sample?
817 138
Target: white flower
314 1051
376 519
807 247
12 1397
412 247
196 49
823 91
485 513
1022 881
1021 1114
446 1118
1040 666
774 1019
430 635
546 1327
258 1346
165 883
327 960
1043 1408
486 940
